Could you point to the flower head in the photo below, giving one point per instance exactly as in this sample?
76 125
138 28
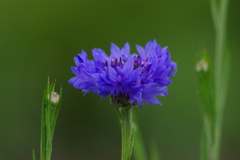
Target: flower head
130 79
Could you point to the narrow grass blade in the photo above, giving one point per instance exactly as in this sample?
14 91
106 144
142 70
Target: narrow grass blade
225 76
154 153
207 104
33 154
56 111
43 129
139 149
214 10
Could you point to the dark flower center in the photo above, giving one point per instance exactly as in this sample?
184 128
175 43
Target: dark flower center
121 100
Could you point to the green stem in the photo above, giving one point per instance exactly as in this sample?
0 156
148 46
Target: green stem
43 130
127 132
49 148
50 111
219 14
50 129
33 154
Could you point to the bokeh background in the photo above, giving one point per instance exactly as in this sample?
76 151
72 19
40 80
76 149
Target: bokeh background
38 38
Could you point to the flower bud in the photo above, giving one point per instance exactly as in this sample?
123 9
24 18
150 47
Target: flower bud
202 65
55 97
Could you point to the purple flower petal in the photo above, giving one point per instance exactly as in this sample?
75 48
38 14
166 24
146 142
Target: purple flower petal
115 51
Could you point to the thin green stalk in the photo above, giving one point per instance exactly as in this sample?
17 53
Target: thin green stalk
154 153
220 48
214 12
219 14
49 135
33 154
207 104
127 132
43 129
139 149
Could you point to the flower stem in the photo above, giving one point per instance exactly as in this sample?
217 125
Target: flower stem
213 127
127 131
50 110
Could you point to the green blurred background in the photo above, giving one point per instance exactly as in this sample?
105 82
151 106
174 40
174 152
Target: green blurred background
40 37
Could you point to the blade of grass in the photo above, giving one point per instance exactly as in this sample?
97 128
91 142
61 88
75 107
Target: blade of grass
154 153
33 154
139 149
43 130
56 111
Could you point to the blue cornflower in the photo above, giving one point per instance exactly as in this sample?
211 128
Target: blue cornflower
129 79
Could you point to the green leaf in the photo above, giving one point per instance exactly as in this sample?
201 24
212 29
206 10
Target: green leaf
225 74
56 111
50 111
204 146
207 103
206 86
33 154
214 10
154 153
43 129
139 149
